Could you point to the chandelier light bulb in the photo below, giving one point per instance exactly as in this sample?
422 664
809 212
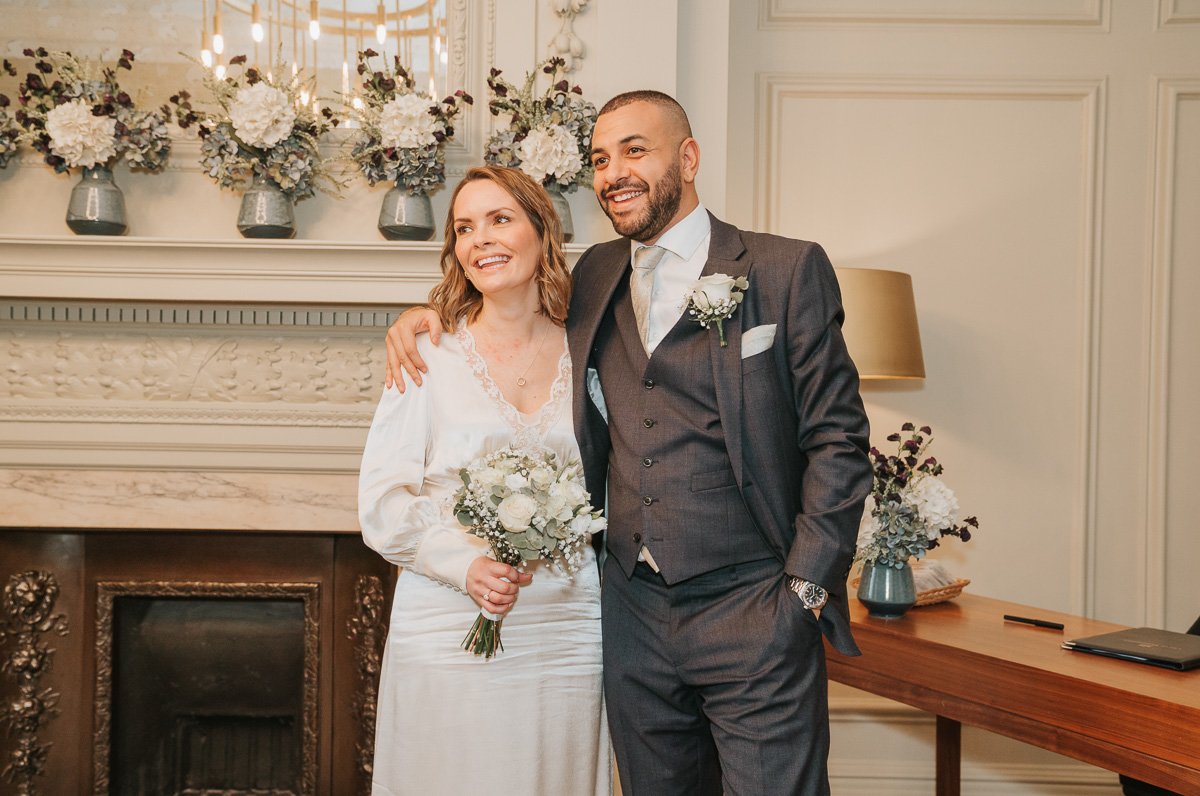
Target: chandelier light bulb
256 27
314 21
303 96
220 71
218 40
357 103
380 24
206 56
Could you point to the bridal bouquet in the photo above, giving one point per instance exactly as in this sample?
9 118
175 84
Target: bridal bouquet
75 114
403 131
548 135
262 126
527 507
909 509
10 131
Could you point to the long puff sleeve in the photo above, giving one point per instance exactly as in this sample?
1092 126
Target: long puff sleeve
398 520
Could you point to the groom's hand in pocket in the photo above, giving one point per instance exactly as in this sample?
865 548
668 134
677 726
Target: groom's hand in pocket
494 586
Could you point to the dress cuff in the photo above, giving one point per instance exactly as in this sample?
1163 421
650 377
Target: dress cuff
446 554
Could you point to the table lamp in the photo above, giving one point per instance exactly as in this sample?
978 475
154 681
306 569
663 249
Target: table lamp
881 323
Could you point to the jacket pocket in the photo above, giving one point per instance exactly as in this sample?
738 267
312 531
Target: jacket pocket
714 479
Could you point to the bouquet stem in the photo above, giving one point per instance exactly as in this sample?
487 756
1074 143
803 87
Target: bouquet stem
484 636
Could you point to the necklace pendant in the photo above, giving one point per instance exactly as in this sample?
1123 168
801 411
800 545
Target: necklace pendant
521 381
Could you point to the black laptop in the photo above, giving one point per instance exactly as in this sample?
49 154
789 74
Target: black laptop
1144 645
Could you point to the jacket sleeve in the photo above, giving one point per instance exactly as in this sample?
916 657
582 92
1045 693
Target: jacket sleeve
832 432
398 520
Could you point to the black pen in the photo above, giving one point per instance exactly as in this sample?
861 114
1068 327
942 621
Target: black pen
1036 622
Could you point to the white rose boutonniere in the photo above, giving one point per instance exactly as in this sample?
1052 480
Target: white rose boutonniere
714 299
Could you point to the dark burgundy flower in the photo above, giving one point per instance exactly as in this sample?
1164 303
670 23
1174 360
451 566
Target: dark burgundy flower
43 67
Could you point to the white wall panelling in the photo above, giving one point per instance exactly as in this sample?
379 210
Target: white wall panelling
796 13
985 158
1172 545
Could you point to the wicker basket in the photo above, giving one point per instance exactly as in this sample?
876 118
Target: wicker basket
932 596
941 595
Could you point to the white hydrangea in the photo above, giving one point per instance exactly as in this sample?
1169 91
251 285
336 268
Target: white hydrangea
550 150
406 123
262 116
868 526
80 138
934 503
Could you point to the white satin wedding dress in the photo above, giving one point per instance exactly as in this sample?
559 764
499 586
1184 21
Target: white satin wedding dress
531 720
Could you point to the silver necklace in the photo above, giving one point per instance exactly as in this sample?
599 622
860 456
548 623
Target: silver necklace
545 333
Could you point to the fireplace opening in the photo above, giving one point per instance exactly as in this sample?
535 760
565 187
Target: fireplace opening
208 693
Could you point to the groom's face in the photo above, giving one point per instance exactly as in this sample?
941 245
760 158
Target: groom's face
638 180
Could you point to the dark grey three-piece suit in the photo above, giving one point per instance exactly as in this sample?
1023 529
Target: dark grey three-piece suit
735 473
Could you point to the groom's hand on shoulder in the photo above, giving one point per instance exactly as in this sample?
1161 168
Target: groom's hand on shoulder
402 354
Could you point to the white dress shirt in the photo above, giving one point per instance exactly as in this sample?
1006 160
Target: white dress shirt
687 252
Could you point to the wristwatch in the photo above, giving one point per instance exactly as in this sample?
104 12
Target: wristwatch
811 595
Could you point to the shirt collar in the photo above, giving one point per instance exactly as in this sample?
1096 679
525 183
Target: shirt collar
684 238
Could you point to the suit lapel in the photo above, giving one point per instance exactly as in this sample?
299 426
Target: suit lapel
726 256
598 287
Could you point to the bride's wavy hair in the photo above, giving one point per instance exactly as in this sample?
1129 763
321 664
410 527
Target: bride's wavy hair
454 296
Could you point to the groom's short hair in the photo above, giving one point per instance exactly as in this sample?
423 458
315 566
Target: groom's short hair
673 109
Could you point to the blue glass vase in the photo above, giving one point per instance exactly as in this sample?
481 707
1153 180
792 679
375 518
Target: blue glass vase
887 592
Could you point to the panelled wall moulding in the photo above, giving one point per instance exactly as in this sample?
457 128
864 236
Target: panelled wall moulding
797 14
776 89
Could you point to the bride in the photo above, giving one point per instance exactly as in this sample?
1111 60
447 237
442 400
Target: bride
531 719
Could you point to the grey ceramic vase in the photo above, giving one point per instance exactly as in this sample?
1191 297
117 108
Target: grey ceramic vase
564 212
97 206
406 216
887 592
266 211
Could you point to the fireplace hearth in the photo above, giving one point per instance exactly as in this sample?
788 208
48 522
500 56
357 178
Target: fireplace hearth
199 664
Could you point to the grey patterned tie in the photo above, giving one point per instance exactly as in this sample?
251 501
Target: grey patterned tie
641 285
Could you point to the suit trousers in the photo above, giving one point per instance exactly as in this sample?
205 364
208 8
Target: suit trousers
714 685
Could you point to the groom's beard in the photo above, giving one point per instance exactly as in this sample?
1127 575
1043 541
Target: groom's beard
661 207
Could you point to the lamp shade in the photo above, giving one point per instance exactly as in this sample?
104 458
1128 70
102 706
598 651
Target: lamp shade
881 323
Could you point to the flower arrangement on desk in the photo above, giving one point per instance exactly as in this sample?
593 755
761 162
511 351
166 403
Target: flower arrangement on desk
75 113
10 131
909 509
548 134
403 131
262 126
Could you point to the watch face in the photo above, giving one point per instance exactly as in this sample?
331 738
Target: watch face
813 596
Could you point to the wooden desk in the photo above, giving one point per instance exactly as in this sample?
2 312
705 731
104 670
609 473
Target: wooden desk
961 661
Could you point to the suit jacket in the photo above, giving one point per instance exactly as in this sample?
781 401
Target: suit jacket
794 424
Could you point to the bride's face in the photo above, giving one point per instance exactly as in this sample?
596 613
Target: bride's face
496 243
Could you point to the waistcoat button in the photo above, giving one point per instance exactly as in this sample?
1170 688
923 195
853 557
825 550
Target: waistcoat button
647 500
648 423
649 384
637 537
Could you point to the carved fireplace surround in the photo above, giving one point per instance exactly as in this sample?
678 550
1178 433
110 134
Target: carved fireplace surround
183 420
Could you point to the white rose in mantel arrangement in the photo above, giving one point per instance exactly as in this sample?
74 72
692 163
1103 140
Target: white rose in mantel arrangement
550 151
80 138
406 123
262 116
516 512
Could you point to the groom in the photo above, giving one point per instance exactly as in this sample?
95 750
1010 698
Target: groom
735 474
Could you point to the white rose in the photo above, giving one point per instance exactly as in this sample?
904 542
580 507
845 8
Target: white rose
487 478
406 122
515 482
581 525
557 507
934 503
550 151
78 137
542 477
516 512
597 525
714 288
262 116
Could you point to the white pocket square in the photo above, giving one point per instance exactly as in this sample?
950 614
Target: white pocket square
757 340
595 393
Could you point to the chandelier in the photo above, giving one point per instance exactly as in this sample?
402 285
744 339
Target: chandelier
321 39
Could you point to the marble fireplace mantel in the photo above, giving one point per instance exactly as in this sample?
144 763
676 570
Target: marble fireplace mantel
151 383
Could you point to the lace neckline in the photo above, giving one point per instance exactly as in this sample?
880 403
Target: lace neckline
529 430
